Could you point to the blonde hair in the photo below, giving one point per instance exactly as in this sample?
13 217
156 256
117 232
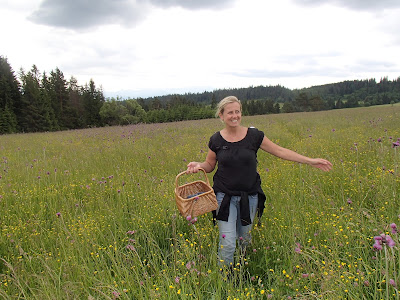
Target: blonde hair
226 101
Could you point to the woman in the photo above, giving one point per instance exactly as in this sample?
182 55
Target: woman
237 184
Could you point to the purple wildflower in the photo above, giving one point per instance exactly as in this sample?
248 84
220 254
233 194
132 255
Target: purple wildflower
389 241
394 228
297 249
131 232
383 240
130 247
223 236
58 214
392 282
189 265
377 246
177 279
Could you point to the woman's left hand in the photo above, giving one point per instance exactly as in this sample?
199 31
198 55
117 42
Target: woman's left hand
320 163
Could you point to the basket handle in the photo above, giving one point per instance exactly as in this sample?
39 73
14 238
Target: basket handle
184 172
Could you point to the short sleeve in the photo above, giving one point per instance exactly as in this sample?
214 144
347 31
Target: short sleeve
212 143
258 137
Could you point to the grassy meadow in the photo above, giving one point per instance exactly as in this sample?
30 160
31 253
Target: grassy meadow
90 214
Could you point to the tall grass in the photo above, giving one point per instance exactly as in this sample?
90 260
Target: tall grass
90 214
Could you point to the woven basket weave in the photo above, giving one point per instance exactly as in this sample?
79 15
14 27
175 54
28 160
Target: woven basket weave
202 197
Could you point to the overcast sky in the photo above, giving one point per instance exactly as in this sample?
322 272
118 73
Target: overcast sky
142 48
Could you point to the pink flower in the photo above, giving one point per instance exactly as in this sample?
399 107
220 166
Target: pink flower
58 214
131 232
177 279
392 282
189 265
130 247
394 228
377 246
298 248
390 241
383 240
223 236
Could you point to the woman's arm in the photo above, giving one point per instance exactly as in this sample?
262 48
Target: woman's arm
208 165
287 154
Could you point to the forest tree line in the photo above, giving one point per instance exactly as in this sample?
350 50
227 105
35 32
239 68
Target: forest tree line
39 101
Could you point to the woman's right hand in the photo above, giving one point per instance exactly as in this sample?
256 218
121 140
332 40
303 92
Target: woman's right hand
193 167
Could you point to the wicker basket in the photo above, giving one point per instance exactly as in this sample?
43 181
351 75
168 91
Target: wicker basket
195 198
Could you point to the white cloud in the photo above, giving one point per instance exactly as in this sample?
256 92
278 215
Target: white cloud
367 5
192 46
81 15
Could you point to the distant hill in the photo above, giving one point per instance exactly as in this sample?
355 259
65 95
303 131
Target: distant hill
368 91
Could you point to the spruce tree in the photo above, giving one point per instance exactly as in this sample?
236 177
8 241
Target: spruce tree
10 97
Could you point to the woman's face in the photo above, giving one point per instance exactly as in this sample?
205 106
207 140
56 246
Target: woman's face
232 114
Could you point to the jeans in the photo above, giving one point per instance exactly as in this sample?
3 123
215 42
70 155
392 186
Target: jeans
233 229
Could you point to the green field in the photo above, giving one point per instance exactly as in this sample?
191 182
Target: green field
90 214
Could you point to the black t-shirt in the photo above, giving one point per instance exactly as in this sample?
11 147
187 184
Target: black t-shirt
237 161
